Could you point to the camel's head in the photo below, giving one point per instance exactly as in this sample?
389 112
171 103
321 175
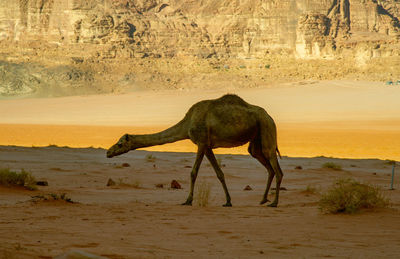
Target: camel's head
121 147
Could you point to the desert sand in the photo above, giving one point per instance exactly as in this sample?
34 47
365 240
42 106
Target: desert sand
316 121
139 220
348 119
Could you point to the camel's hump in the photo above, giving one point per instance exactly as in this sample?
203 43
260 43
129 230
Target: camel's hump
231 99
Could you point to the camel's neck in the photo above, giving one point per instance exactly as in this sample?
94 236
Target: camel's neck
173 134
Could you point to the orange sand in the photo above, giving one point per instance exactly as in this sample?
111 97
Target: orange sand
363 140
351 119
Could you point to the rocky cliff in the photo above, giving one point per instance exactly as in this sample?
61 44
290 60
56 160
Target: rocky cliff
87 38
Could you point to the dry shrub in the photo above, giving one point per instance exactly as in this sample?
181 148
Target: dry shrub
349 196
203 194
52 197
150 158
23 178
331 165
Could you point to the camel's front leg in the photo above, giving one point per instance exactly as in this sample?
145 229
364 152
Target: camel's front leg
220 175
193 175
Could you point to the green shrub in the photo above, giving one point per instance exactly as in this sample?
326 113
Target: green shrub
203 194
23 178
350 196
331 165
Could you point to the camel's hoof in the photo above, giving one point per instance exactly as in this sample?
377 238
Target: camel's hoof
263 202
228 204
274 205
187 203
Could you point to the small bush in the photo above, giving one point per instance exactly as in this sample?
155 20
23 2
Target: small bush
203 194
349 196
23 178
150 158
331 165
52 197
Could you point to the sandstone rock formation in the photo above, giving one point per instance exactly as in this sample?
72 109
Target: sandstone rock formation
84 33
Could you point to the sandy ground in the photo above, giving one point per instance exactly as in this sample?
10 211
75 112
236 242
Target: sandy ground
139 220
351 119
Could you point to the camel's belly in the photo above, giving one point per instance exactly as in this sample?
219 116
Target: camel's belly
227 138
225 126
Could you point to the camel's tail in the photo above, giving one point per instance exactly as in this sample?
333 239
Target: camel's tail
279 153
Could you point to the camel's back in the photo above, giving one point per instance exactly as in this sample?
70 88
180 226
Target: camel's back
230 99
223 107
224 122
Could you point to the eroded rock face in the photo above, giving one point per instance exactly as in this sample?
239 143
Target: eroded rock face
313 39
90 35
251 28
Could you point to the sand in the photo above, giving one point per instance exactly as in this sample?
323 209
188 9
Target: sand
136 219
139 220
348 119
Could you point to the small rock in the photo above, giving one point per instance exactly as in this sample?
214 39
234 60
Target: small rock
374 173
160 185
247 188
110 182
175 185
42 183
126 165
298 167
188 166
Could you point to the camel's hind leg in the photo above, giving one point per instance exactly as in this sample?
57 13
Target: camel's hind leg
256 152
193 175
220 175
268 146
273 160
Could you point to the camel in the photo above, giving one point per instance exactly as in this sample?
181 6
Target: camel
228 121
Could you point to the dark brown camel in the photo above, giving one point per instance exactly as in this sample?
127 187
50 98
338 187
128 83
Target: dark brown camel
228 121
